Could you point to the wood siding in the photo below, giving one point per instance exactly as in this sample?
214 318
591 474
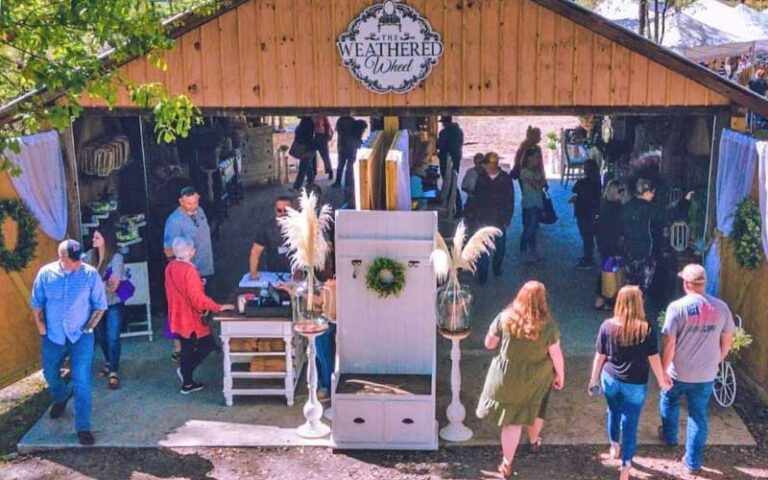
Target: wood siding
498 54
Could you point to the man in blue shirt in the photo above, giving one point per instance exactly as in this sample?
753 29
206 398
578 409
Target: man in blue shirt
189 221
68 300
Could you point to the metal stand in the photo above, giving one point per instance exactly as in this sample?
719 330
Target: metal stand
313 409
455 431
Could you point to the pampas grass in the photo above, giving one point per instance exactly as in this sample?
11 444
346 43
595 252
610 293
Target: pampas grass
464 254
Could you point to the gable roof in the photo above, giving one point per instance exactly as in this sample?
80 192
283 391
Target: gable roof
684 71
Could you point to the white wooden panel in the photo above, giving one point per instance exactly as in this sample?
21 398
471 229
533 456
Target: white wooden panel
140 279
377 225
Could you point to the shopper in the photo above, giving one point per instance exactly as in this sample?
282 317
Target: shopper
492 206
269 242
105 258
697 336
532 184
323 135
345 147
609 232
187 303
68 301
626 348
450 142
586 207
638 220
532 139
521 376
471 176
189 221
304 150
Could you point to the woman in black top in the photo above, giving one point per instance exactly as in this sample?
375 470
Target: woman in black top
303 149
626 348
608 232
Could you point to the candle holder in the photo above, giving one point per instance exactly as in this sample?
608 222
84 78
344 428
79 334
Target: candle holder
455 431
313 409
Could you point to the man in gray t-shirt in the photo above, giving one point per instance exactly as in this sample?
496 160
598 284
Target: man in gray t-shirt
189 221
698 333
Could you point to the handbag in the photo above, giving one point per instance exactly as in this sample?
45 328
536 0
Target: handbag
298 150
125 289
548 214
611 277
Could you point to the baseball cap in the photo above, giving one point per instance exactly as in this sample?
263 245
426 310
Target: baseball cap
187 190
693 273
74 250
446 118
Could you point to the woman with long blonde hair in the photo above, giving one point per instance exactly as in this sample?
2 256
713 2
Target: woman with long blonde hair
626 347
529 364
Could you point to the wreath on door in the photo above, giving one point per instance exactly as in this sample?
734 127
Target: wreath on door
385 276
17 259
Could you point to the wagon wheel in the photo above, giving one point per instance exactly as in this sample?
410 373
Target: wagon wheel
725 385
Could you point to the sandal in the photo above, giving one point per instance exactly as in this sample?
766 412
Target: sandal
534 447
505 468
114 381
104 371
614 452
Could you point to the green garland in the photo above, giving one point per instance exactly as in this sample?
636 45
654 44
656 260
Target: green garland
17 260
747 245
385 276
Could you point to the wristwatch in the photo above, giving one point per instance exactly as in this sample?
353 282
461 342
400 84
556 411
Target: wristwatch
88 330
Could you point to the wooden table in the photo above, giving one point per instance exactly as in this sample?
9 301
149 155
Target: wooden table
236 325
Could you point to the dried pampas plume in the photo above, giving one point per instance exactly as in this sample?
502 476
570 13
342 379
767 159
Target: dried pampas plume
303 231
464 254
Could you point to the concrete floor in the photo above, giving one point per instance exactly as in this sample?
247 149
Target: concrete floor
148 411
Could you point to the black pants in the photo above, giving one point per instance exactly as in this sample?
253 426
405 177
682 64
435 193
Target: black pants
346 158
193 352
321 145
306 172
587 232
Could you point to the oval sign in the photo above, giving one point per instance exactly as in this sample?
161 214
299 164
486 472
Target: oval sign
390 47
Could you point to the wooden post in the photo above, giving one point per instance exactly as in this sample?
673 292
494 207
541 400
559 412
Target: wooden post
719 122
73 185
391 124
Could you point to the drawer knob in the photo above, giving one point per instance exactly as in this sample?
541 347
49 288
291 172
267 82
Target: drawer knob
408 421
359 420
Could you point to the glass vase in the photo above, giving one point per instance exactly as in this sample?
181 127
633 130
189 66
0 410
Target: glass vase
308 316
454 302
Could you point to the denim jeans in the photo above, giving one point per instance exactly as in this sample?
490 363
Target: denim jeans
531 217
498 258
326 351
306 172
697 395
80 357
108 335
625 402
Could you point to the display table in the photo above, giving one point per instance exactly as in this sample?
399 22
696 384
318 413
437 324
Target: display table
238 378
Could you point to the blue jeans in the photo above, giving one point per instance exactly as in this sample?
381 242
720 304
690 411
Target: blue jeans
326 351
531 217
108 335
697 395
625 402
498 258
80 357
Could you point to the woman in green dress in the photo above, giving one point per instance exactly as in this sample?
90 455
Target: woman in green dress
528 366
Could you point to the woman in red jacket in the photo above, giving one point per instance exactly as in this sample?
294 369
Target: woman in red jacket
187 303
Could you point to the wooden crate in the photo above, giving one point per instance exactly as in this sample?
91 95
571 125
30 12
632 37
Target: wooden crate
259 160
242 345
268 364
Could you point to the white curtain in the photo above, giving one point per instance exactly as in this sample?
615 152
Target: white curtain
735 174
762 153
41 185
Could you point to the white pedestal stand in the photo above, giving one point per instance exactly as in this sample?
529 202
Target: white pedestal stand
313 409
455 431
328 413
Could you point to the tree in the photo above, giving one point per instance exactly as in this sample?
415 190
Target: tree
54 51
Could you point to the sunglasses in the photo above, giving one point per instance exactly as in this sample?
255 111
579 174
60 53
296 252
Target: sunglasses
281 210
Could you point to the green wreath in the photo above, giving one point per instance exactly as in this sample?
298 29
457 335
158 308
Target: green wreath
385 276
747 244
17 259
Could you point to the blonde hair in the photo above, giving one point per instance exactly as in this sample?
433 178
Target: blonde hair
612 192
630 314
526 315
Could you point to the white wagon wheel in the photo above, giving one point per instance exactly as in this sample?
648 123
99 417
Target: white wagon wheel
725 382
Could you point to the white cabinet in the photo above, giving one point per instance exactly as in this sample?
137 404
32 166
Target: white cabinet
385 342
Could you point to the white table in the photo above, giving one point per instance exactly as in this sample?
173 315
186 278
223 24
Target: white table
234 325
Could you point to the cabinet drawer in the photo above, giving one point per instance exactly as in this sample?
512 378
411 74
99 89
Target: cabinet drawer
409 422
358 421
254 329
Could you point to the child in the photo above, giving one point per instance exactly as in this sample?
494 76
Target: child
586 206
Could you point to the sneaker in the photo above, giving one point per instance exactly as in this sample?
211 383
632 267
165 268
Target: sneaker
178 374
58 407
688 469
584 264
330 175
86 438
187 389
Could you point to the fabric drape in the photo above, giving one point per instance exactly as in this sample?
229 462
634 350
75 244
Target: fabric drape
762 154
41 184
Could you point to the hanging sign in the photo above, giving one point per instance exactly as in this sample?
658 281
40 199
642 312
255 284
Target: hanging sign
390 47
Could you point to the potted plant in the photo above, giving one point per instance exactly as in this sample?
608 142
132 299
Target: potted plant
454 299
553 144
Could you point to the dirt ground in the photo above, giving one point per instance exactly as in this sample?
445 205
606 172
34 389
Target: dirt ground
23 403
